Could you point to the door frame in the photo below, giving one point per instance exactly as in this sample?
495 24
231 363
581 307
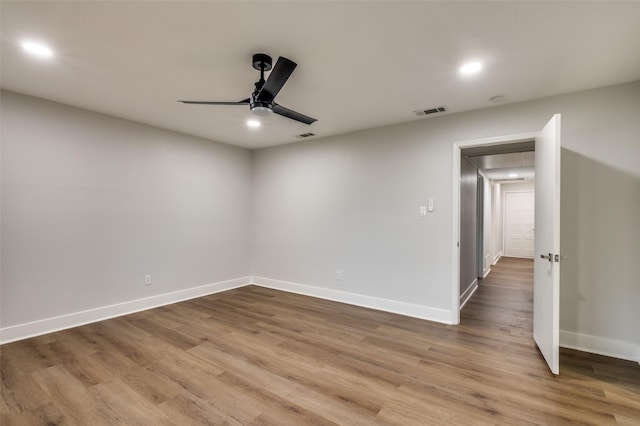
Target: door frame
455 242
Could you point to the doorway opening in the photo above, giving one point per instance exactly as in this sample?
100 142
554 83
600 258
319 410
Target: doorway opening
487 170
496 209
546 277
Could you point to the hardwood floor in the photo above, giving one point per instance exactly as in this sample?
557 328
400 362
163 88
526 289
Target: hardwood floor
257 356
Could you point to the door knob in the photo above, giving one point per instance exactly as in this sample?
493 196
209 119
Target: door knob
549 257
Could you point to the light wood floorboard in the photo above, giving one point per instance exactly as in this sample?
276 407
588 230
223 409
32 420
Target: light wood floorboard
254 356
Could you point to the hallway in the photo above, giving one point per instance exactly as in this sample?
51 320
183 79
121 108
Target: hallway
504 297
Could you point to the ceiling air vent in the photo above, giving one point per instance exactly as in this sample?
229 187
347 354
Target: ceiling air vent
305 135
430 111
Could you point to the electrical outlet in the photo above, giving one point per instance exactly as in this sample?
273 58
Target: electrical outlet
423 211
338 275
147 279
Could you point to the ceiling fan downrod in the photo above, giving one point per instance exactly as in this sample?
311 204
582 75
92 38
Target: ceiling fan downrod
261 62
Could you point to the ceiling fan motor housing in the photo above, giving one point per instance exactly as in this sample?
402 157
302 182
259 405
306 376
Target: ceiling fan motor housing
262 62
261 108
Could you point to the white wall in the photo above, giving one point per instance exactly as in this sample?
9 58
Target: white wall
350 202
92 203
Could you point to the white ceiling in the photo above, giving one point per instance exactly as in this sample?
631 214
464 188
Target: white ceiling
360 64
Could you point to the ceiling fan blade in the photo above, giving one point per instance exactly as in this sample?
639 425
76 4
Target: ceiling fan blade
278 77
286 112
242 102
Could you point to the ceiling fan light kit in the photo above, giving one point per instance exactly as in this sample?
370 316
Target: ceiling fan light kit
261 102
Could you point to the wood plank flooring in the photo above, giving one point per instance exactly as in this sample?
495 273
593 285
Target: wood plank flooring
255 356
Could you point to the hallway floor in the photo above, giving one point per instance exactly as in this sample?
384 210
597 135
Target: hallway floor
590 389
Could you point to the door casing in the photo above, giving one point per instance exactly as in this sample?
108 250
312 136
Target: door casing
455 243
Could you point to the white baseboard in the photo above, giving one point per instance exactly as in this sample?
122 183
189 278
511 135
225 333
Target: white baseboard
396 307
600 345
486 266
464 297
49 325
498 256
581 342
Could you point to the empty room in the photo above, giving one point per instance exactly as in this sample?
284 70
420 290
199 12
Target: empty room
319 212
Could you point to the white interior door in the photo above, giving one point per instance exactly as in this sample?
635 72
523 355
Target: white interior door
519 208
546 273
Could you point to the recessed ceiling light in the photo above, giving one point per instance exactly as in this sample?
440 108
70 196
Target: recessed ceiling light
471 68
37 49
253 123
513 175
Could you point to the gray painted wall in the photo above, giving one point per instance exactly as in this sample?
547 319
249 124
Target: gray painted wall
468 224
91 204
350 202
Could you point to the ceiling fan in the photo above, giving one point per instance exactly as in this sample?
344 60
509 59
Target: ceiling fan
261 101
